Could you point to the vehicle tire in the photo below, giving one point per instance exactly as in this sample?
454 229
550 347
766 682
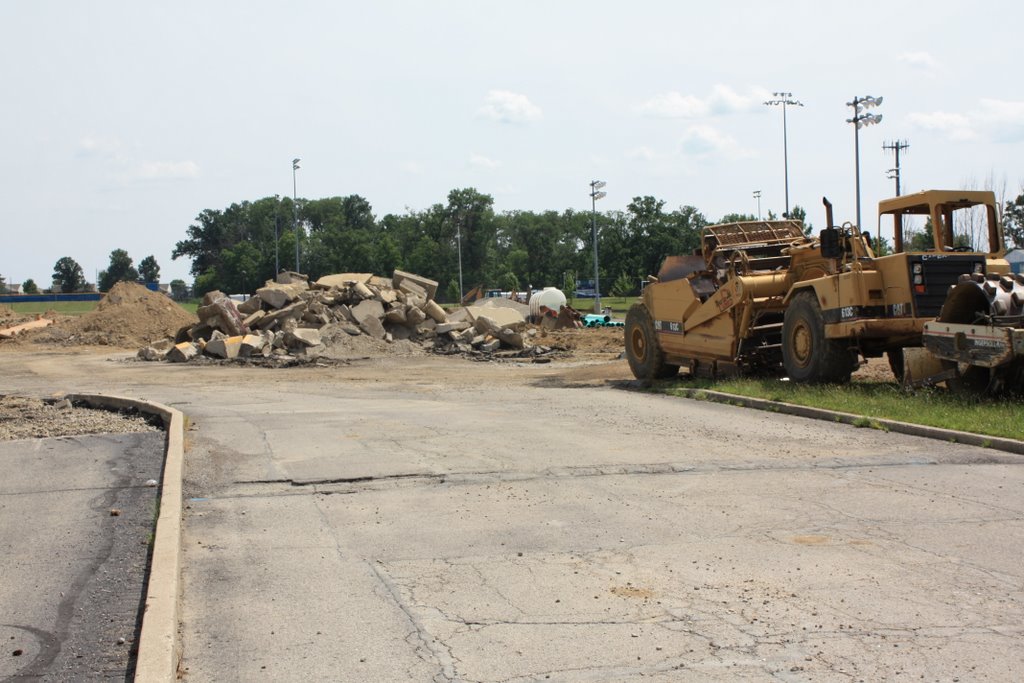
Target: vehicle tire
807 354
646 359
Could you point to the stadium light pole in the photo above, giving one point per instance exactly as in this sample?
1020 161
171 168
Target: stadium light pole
295 211
757 196
595 194
784 99
860 119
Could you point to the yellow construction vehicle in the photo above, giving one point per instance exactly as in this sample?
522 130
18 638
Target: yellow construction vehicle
760 296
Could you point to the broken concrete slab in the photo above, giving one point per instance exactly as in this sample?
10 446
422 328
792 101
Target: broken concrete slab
442 328
183 352
372 327
225 347
302 337
502 316
428 286
368 308
341 280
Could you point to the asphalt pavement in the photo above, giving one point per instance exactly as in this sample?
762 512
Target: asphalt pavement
439 520
72 571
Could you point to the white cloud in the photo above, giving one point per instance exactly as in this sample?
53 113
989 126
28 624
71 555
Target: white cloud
1003 120
91 146
707 141
921 60
509 107
720 101
167 170
480 161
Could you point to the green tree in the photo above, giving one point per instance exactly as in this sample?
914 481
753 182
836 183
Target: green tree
3 285
67 275
120 269
179 290
30 287
149 270
1013 222
623 285
800 214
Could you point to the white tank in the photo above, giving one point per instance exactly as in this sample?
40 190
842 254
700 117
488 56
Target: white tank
549 297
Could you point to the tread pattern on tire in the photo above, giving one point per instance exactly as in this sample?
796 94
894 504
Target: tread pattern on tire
651 365
831 362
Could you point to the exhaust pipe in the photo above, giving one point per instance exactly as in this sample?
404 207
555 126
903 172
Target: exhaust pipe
828 212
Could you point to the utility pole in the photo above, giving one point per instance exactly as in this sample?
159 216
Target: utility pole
295 214
896 147
595 194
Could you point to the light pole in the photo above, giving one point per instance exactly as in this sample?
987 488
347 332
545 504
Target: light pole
295 212
860 119
784 98
757 196
458 238
595 194
277 238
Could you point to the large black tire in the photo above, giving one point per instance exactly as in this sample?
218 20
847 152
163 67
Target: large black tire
807 354
646 359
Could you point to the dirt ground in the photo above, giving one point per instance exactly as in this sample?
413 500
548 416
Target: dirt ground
128 317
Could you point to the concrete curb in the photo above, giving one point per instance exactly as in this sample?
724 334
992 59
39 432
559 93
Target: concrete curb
950 435
158 641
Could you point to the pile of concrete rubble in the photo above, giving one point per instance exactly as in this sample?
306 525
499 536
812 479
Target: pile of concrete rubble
289 317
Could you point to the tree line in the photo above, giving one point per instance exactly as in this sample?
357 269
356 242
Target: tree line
236 248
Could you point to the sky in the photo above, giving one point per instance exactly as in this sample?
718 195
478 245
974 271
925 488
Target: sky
121 121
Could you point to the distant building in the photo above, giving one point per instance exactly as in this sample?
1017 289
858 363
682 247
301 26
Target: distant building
1016 259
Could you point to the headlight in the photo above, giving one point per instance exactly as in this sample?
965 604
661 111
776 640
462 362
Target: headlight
918 268
918 279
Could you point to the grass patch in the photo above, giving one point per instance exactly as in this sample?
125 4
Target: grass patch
619 304
62 307
74 307
874 401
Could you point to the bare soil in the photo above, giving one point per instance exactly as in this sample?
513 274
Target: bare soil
128 317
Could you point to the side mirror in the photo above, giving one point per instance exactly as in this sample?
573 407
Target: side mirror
831 244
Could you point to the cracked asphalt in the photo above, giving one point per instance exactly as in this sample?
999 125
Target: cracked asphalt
432 519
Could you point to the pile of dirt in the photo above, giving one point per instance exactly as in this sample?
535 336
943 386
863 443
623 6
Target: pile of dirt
129 316
6 311
588 341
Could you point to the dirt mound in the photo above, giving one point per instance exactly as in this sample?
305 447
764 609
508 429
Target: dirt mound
129 316
6 311
586 340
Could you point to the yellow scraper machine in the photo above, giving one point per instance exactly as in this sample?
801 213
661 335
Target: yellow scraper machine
761 297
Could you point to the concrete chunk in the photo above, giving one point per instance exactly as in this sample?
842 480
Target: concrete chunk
452 327
250 305
410 288
341 280
302 337
226 347
252 345
372 327
396 315
434 311
415 316
428 286
183 352
368 308
503 317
